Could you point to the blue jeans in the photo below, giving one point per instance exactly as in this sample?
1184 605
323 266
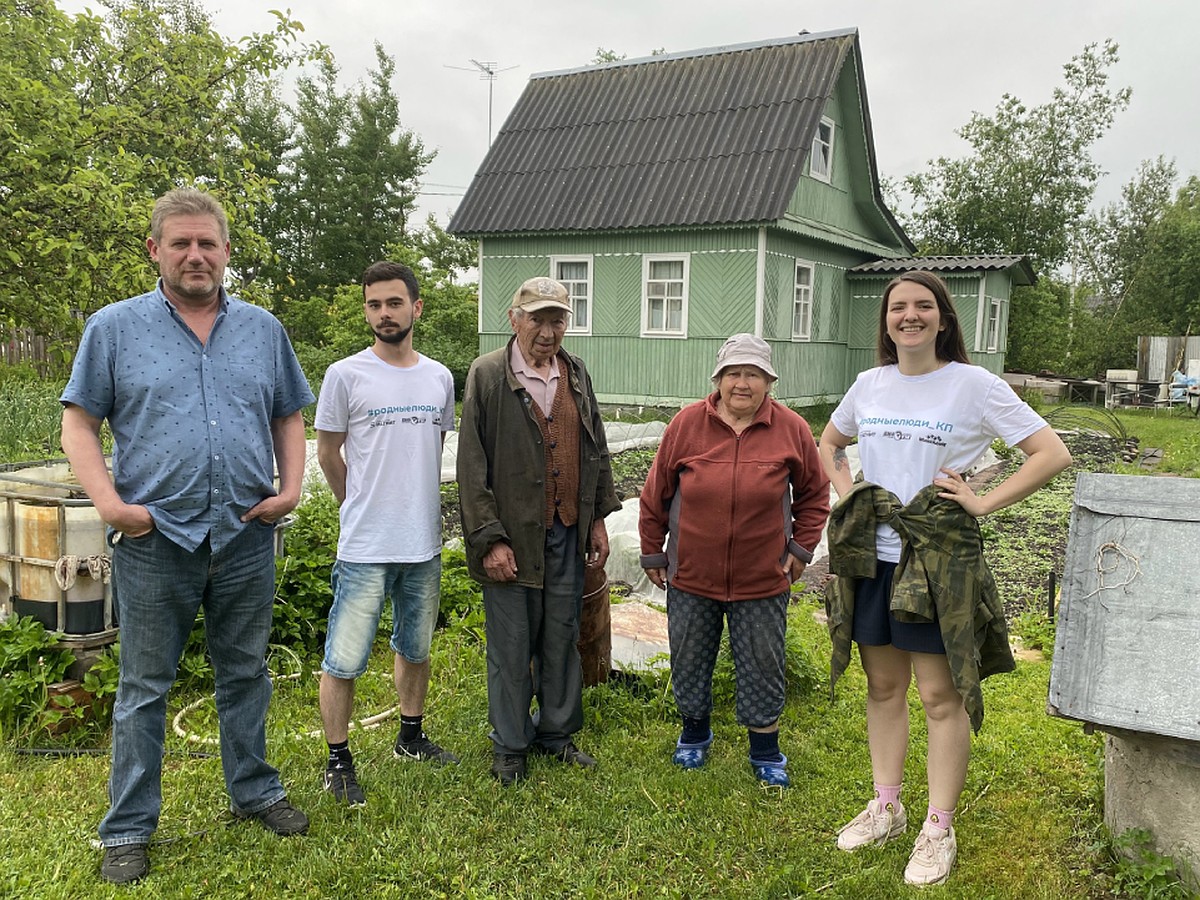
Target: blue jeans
359 590
158 587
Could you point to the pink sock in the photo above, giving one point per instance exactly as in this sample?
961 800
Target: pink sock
939 818
886 794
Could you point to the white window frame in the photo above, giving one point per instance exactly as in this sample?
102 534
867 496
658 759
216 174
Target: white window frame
822 151
588 296
647 260
802 307
992 328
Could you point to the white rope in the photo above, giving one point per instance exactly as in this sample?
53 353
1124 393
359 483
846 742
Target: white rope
67 567
356 725
1118 553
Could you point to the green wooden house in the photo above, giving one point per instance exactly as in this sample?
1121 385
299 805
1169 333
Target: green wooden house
689 196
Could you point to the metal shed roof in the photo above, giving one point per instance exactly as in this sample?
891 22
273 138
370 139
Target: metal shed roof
1023 275
707 137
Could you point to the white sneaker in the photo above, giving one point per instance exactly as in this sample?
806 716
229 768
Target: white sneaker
932 856
877 824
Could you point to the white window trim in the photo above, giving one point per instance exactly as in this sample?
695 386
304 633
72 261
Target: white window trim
992 337
827 175
647 259
572 328
812 291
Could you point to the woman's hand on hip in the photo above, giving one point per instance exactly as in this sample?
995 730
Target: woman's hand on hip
954 487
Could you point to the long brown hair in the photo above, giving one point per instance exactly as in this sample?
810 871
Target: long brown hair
949 345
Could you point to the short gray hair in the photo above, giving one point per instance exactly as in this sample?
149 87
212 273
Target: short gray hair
187 201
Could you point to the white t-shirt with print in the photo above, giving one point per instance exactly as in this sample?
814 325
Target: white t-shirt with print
393 419
909 427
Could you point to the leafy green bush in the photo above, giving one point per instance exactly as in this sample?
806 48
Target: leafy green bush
303 593
1035 630
29 661
1143 872
101 679
462 598
302 590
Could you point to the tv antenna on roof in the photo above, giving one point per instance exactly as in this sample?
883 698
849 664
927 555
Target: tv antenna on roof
487 72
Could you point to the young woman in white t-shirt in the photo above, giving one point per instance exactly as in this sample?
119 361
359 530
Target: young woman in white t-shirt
923 416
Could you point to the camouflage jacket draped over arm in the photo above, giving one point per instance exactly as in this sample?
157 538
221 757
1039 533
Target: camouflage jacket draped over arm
941 572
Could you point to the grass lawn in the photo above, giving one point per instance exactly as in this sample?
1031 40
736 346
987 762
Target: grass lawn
1029 823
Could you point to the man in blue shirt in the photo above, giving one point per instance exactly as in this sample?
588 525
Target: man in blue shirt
203 395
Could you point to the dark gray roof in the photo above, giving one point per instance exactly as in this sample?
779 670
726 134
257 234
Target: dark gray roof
706 137
949 264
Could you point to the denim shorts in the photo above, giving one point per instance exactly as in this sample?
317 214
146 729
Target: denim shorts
359 591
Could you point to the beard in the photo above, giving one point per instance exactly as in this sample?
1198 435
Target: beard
393 337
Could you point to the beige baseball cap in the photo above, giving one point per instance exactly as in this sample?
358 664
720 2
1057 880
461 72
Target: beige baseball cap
541 293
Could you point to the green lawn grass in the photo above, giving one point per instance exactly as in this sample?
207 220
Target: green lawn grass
1029 822
1175 432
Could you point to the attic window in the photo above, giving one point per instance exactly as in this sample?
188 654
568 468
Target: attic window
820 158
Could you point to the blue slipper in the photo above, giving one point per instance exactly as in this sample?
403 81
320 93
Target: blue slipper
692 756
772 772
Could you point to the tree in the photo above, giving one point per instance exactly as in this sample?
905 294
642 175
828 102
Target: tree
1043 309
344 190
1024 189
308 193
1164 294
1113 242
266 133
97 117
1030 176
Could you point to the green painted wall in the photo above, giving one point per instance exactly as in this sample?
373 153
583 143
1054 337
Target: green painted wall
847 201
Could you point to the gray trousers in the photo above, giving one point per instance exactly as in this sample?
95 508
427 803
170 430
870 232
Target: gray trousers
757 630
532 637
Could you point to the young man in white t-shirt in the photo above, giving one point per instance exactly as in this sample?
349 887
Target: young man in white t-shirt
381 422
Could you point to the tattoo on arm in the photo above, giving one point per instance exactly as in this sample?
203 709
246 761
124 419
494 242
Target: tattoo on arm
839 459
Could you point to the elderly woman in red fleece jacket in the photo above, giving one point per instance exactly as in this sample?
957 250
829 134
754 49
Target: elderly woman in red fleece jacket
730 514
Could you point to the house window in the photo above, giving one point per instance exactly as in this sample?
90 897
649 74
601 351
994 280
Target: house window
802 302
993 326
664 295
575 272
820 158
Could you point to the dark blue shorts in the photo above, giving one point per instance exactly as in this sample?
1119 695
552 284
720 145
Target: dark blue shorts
874 624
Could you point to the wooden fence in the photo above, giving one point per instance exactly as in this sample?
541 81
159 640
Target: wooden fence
20 346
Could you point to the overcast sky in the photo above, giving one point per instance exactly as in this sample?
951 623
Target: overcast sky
929 63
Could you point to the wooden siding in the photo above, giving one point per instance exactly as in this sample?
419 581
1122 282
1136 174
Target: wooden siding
651 372
809 372
858 361
720 290
846 202
617 283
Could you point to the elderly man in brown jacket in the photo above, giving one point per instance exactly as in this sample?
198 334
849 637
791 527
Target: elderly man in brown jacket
535 484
